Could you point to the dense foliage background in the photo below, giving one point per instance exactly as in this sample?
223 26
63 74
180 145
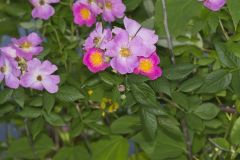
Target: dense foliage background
191 112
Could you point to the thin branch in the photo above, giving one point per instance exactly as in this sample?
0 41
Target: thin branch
228 110
169 39
187 139
224 31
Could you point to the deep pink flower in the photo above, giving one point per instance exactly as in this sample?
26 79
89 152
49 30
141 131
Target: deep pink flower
214 5
9 71
148 36
28 46
125 52
149 67
95 60
83 15
39 76
98 38
43 9
113 9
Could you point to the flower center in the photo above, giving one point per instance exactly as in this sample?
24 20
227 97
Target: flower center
91 1
39 78
96 58
26 45
3 69
42 2
125 52
109 5
96 40
145 65
85 13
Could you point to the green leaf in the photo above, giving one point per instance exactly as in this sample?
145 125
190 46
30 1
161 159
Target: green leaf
181 99
110 78
132 4
169 145
21 148
36 127
143 94
233 6
161 85
178 71
194 122
149 122
72 153
133 78
207 111
30 112
54 119
226 56
6 108
221 143
191 84
19 96
125 124
36 101
235 82
69 94
48 102
235 132
185 11
216 81
146 145
115 147
5 95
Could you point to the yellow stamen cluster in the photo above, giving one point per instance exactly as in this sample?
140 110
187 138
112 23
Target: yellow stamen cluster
85 13
125 52
26 45
109 5
96 58
145 65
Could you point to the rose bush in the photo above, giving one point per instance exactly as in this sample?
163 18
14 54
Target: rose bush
119 79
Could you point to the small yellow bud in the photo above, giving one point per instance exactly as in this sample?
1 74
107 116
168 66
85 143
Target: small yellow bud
90 92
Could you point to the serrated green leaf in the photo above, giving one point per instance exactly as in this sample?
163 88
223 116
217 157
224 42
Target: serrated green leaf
207 111
48 101
178 71
216 81
68 94
115 147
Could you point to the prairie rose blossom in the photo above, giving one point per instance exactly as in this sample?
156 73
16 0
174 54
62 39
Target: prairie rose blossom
43 9
83 15
95 60
39 76
149 67
134 29
28 46
124 52
9 71
98 38
112 9
214 5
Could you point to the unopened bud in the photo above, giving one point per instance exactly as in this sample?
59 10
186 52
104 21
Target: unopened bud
121 88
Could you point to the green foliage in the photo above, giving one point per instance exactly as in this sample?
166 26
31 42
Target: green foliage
191 112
